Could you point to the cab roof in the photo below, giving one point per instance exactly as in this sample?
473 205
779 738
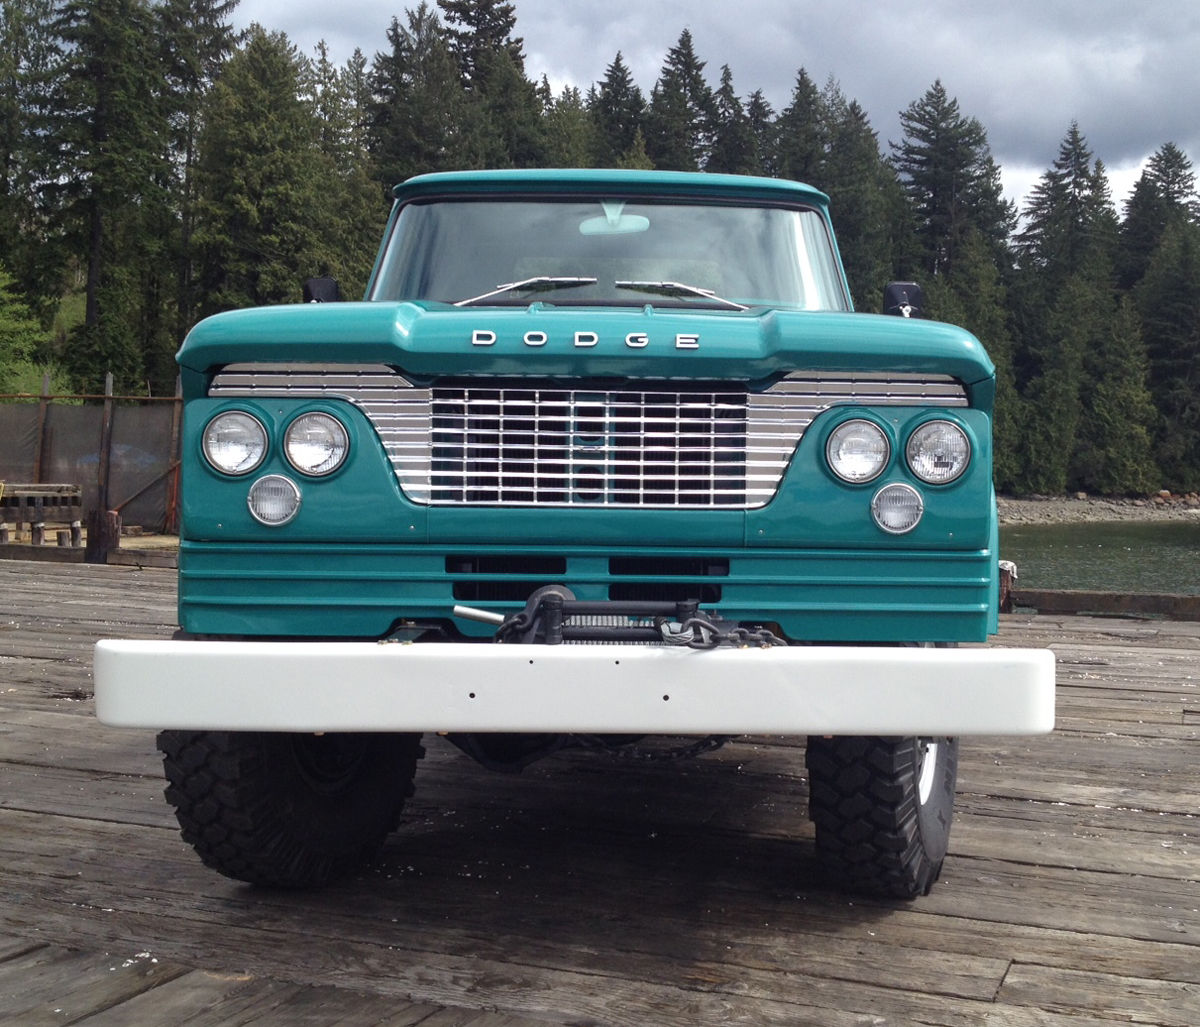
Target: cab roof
612 182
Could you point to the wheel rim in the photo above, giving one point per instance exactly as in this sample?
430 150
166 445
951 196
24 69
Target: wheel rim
927 756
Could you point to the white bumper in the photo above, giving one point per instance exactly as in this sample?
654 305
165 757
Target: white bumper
623 689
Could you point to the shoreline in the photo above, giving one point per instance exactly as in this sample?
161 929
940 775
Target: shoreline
1083 509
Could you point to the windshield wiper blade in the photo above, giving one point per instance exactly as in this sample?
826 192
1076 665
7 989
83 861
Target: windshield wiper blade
679 289
541 283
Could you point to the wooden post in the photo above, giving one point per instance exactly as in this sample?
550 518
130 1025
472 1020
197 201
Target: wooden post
37 526
171 518
103 524
103 535
39 439
105 455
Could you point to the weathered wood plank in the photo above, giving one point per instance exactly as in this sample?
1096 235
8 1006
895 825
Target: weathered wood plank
54 986
605 892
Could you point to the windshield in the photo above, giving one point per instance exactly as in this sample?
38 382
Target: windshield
611 252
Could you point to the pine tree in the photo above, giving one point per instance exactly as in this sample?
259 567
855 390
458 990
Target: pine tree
263 206
1168 298
618 110
800 134
477 30
1069 217
196 39
111 180
504 113
569 131
1114 450
950 178
1170 171
1066 310
510 111
21 335
27 235
355 202
1164 193
636 158
867 199
763 134
679 120
1054 398
1146 217
420 117
733 148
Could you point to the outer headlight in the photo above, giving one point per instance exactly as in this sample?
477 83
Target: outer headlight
316 444
938 452
235 442
857 451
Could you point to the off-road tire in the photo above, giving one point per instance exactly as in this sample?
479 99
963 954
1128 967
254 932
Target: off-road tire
287 810
882 808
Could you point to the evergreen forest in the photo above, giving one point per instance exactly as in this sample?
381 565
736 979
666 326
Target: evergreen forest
157 166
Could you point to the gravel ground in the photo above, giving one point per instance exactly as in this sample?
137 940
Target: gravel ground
1082 508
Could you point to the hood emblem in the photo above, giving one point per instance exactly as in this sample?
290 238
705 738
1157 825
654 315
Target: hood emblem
535 339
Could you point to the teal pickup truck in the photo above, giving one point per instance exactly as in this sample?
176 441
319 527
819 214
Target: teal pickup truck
601 455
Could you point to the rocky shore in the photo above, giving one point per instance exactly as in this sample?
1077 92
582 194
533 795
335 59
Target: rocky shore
1083 508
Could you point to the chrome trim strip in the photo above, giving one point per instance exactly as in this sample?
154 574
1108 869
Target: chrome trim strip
653 446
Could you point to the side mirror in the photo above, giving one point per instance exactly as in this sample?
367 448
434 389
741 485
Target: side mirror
322 290
904 299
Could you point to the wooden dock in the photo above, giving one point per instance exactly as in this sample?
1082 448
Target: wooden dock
592 891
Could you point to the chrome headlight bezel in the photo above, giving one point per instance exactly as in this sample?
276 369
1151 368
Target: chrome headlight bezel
273 492
897 508
858 451
219 442
303 434
938 452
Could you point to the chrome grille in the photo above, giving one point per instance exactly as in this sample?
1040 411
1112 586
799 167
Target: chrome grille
516 445
484 442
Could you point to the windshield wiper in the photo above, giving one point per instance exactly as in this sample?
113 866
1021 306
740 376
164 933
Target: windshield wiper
542 283
679 289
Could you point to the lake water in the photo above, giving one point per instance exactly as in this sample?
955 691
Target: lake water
1124 556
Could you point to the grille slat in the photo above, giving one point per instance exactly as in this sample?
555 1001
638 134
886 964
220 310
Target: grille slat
490 443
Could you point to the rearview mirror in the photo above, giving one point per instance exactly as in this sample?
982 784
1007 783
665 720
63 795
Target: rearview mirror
614 221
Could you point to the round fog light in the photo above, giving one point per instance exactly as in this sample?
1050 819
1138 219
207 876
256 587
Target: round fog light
273 500
897 508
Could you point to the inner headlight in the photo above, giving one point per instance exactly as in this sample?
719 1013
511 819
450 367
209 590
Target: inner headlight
857 451
235 442
316 444
938 452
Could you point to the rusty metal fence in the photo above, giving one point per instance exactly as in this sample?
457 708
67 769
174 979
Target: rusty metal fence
123 451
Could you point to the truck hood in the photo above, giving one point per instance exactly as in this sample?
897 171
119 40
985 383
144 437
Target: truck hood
541 340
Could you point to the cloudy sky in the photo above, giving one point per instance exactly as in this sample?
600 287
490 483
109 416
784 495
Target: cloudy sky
1127 72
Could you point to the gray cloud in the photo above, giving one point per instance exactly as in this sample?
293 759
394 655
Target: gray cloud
1127 73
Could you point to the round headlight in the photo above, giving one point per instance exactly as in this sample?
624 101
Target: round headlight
273 500
857 451
235 442
316 444
938 452
897 508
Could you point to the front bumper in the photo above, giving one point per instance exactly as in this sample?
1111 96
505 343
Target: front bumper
618 689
